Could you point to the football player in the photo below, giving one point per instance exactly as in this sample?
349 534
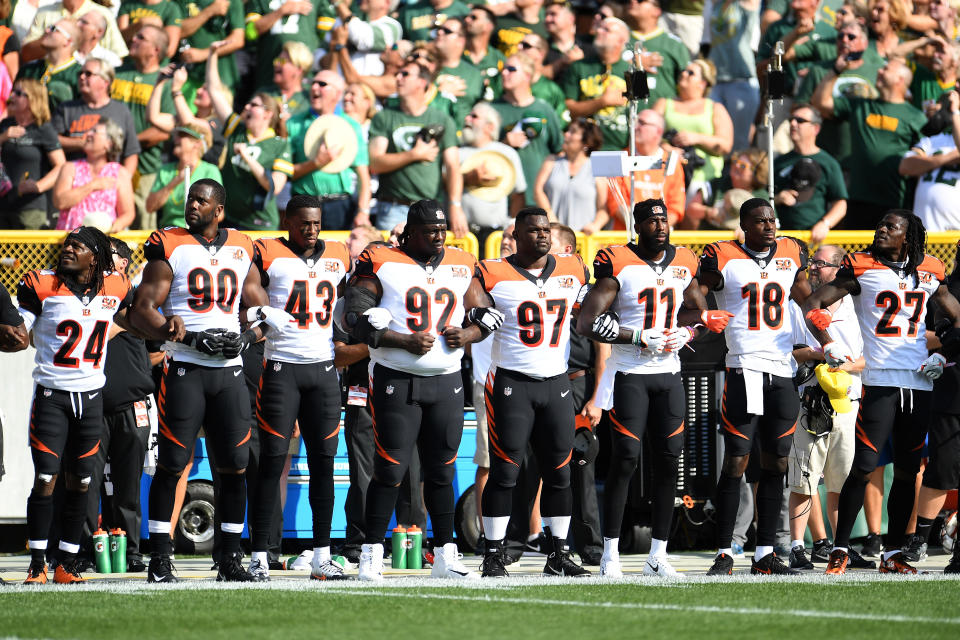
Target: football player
892 282
527 394
754 280
302 276
192 287
408 304
70 311
646 301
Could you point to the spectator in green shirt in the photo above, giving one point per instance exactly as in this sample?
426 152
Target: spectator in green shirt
664 54
479 26
458 79
941 76
808 196
159 13
58 70
544 88
206 22
294 61
419 19
511 28
167 199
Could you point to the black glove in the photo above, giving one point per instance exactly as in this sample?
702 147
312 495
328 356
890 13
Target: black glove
209 341
585 447
236 343
950 339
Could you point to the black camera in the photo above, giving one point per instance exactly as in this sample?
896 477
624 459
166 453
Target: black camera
691 161
938 122
431 133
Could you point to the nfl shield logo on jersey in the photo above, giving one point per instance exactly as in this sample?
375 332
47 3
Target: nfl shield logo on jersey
181 371
507 391
277 366
389 389
47 393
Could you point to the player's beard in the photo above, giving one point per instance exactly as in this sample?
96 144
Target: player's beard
653 245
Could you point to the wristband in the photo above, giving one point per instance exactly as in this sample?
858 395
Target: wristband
455 203
176 94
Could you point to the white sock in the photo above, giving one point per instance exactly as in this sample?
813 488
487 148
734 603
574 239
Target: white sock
559 525
796 543
321 555
658 547
726 550
762 552
844 549
533 536
495 528
611 547
887 554
262 557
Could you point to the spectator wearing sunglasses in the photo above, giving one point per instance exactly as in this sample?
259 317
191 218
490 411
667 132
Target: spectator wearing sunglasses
479 25
289 69
71 10
536 49
513 27
57 69
458 79
419 19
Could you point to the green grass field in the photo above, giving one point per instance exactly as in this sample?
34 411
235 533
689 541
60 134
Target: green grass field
850 607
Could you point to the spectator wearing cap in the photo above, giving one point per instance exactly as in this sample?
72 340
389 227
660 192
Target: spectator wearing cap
370 37
413 149
134 14
134 84
936 162
664 54
882 130
530 125
733 28
488 202
294 60
51 14
566 46
808 181
167 200
664 182
71 120
542 87
479 25
717 204
419 19
336 190
92 27
458 80
594 86
59 70
277 23
511 28
698 122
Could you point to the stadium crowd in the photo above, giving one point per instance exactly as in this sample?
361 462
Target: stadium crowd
204 120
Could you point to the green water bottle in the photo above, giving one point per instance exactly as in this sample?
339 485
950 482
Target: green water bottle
414 548
118 550
288 563
399 541
101 551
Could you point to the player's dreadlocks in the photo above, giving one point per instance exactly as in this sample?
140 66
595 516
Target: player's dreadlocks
914 243
99 244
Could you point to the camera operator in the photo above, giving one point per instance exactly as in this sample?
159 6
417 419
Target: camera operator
810 192
936 162
410 148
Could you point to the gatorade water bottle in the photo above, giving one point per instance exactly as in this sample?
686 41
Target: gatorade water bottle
118 550
101 551
414 548
399 541
288 563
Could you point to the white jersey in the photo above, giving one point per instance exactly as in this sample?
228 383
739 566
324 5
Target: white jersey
891 307
207 283
306 288
649 297
535 336
71 331
420 297
937 200
756 291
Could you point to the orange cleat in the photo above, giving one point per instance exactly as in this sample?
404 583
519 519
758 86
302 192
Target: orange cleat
896 564
67 573
37 573
837 565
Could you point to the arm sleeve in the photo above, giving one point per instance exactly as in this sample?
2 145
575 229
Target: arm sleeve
8 312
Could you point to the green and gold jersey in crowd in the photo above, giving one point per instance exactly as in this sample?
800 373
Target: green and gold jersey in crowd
133 89
170 13
926 89
298 103
511 30
490 66
676 57
419 180
61 81
588 79
310 29
420 18
881 132
249 206
213 30
544 132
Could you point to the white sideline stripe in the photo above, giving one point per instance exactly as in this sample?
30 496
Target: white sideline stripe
802 613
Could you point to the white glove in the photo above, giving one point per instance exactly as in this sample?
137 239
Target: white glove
489 318
276 319
835 354
652 340
678 338
378 317
933 366
582 294
606 326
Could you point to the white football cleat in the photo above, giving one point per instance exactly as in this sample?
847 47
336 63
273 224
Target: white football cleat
259 571
446 564
371 562
610 567
660 567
